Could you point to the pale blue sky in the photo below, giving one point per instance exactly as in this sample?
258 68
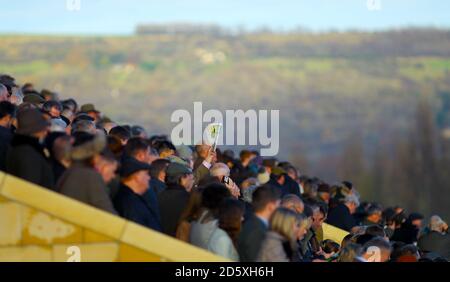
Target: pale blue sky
121 16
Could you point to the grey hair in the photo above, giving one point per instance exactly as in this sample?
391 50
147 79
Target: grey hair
219 169
291 199
352 199
436 223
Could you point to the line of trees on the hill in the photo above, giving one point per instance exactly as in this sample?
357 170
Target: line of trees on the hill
413 169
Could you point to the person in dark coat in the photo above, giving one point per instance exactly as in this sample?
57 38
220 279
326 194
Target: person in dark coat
291 186
130 201
7 114
243 168
265 201
59 145
437 240
26 158
342 215
82 181
409 230
173 200
138 149
278 180
158 175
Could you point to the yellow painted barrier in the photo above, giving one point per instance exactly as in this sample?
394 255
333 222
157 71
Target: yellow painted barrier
40 225
37 224
333 233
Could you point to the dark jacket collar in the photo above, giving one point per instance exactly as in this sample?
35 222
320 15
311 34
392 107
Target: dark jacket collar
6 133
127 190
176 187
6 130
344 208
20 140
157 181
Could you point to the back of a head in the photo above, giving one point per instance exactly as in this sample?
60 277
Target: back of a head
291 201
377 242
408 250
263 195
164 146
388 215
230 216
71 103
134 146
120 132
349 252
158 166
193 208
47 106
213 195
329 246
84 126
289 168
363 238
138 131
347 240
62 147
7 109
376 230
115 145
310 188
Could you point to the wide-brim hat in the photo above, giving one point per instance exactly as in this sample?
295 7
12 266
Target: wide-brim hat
31 121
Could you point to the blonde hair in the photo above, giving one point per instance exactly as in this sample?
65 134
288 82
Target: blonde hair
349 252
282 222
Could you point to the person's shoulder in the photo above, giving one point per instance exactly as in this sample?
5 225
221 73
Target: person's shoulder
272 235
23 149
124 193
124 198
219 233
176 192
254 224
5 135
87 174
251 220
220 236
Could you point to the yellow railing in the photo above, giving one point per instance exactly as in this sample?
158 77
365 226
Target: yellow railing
40 225
333 233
